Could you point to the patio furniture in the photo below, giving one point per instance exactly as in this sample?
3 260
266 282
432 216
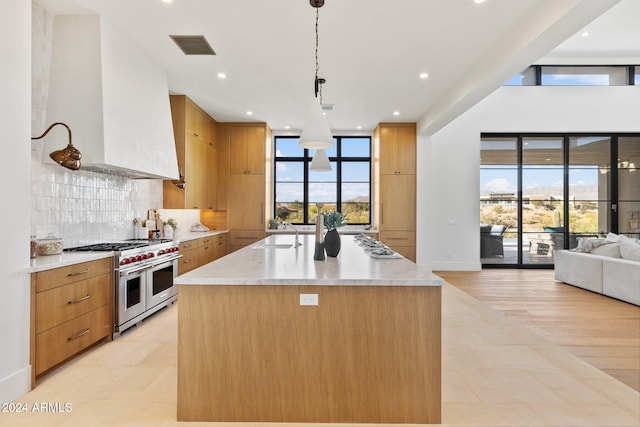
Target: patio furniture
491 240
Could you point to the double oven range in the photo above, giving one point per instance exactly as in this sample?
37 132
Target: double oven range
144 278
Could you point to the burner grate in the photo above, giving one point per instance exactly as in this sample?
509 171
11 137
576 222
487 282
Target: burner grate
108 247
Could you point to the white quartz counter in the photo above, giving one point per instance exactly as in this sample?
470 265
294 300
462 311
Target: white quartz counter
262 264
42 263
311 229
49 262
192 235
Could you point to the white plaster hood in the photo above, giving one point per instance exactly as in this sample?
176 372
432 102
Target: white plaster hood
114 99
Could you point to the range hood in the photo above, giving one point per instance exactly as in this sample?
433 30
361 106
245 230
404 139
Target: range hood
113 97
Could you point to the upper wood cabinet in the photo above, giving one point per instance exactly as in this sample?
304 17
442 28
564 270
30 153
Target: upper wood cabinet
247 149
397 145
195 134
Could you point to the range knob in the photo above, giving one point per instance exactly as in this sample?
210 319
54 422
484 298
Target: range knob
151 255
161 252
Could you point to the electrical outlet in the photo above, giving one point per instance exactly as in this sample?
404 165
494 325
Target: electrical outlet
308 299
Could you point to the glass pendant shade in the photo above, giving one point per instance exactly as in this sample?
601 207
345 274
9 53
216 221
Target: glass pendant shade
320 162
316 134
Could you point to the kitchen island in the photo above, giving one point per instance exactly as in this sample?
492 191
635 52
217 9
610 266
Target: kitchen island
267 334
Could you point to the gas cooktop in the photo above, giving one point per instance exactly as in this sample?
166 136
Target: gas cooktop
117 246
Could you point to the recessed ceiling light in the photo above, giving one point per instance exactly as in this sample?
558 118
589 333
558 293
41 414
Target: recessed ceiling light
167 1
396 113
358 127
287 127
222 76
585 34
478 1
249 113
424 75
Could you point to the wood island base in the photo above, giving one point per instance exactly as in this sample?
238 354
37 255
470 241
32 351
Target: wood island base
364 354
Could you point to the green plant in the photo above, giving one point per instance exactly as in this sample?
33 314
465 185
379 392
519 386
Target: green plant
333 220
172 222
273 224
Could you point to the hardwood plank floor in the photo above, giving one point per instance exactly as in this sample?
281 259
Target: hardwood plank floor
602 331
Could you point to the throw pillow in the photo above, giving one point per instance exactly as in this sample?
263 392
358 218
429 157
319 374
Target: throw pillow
611 250
629 250
587 245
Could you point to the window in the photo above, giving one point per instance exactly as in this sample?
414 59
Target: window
346 189
576 75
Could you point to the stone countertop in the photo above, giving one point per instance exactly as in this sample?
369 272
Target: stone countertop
48 262
311 229
42 263
192 235
261 264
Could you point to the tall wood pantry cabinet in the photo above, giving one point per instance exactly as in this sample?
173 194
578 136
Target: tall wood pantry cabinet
395 189
242 181
195 134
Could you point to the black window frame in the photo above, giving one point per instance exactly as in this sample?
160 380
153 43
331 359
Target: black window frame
338 160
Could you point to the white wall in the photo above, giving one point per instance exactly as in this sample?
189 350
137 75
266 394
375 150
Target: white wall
15 106
449 181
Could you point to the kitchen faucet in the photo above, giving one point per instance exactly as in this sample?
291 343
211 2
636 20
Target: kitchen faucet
288 224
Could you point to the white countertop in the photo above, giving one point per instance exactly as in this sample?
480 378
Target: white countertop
49 262
260 265
192 235
311 229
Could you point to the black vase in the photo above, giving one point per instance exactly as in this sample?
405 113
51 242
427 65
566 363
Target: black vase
332 243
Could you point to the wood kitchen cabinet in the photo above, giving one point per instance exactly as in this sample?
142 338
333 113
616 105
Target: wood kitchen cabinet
242 182
201 251
395 147
195 134
247 149
71 309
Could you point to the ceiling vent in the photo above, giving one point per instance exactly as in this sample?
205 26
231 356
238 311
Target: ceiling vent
328 107
193 45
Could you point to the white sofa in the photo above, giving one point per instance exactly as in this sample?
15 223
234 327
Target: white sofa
603 270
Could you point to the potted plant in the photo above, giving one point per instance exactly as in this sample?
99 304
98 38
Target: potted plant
273 224
169 227
333 220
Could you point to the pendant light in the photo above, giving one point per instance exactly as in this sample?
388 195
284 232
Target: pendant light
316 133
320 162
69 157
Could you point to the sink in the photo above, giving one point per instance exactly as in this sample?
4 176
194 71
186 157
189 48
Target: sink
273 246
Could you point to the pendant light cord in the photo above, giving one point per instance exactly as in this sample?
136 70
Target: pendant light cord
318 86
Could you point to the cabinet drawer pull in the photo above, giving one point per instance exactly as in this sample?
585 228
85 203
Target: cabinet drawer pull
79 299
85 332
78 273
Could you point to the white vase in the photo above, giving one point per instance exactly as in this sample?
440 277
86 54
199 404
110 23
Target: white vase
168 231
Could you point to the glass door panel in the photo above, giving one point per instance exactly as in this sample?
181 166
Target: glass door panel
498 201
589 187
629 186
542 196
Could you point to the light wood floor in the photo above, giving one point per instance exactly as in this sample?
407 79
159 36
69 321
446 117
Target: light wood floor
602 331
495 371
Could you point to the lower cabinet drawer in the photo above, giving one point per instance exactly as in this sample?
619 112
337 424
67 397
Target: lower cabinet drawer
245 237
188 262
398 238
63 303
58 344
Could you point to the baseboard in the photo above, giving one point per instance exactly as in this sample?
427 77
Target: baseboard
455 266
15 385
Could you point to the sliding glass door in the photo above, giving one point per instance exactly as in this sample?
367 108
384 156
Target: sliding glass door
540 193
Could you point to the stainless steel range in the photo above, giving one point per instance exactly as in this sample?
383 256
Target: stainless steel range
144 278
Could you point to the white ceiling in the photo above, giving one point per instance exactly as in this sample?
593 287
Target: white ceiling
370 52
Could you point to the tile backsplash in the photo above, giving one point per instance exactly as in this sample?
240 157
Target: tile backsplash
86 207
